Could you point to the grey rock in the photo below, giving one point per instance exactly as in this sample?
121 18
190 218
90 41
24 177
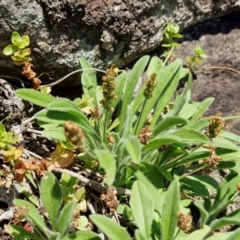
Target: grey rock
103 32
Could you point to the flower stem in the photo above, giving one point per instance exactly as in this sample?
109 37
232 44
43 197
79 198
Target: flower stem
105 127
168 56
139 118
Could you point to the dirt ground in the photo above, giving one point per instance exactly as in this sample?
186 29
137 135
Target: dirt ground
219 76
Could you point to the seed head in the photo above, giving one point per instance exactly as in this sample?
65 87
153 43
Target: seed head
213 160
145 134
184 222
75 135
216 126
109 86
150 85
95 113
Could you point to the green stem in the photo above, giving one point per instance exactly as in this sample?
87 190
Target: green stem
197 147
136 129
194 171
178 231
97 128
68 75
91 142
168 56
90 154
35 226
174 161
105 126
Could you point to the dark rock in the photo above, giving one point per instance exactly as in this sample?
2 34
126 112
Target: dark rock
101 31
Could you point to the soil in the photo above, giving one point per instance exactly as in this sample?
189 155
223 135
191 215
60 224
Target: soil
219 76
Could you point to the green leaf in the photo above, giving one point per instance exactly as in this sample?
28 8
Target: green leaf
164 172
192 157
80 194
170 211
134 76
10 49
20 233
114 124
18 59
133 147
231 118
120 81
184 72
225 221
168 123
203 212
192 136
51 196
30 179
225 164
198 234
154 66
221 236
59 118
18 41
235 213
168 79
16 38
83 235
139 235
25 41
2 129
39 98
28 194
127 131
65 217
33 216
63 105
110 228
108 162
155 195
69 107
201 109
188 109
157 142
208 181
139 99
234 235
89 89
230 136
85 64
182 100
234 156
198 188
200 124
223 143
226 191
21 54
57 134
151 172
142 207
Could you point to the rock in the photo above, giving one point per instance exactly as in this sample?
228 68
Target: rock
103 32
219 76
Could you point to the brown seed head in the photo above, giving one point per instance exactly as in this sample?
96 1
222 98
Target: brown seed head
145 134
184 222
75 135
